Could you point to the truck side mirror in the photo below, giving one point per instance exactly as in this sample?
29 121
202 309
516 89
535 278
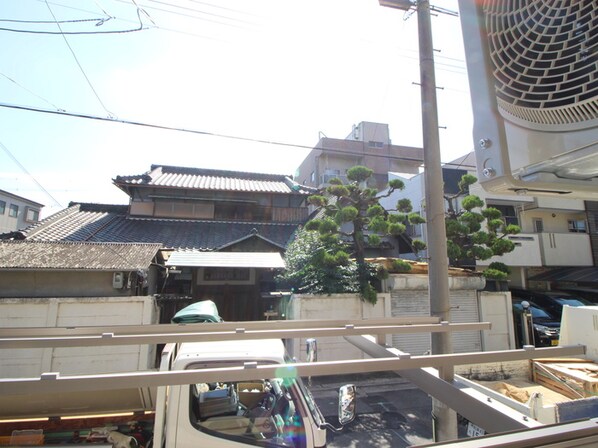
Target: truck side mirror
346 404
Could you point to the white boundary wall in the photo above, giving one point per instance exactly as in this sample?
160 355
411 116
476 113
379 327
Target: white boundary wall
334 306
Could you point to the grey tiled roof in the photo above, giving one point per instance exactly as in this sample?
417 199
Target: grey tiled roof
109 223
76 255
216 180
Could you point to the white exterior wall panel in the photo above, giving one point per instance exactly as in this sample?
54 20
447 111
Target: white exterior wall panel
69 312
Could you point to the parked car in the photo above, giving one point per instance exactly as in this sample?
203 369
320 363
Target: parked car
546 327
551 301
591 295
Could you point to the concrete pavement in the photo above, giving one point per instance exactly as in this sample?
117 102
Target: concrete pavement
391 412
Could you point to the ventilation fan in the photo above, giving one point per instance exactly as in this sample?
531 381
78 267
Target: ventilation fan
533 74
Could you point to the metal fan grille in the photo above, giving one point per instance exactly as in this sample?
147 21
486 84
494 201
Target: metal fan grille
545 59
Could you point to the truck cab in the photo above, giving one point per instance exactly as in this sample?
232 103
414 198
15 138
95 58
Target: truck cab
273 412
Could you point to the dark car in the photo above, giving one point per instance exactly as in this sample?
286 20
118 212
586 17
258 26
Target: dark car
591 295
546 326
551 301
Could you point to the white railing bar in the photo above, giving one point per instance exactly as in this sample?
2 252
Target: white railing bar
240 333
54 383
210 326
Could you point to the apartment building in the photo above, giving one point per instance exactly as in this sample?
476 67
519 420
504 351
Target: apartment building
369 145
555 232
17 212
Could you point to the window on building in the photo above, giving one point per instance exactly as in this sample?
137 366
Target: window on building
508 213
13 210
32 215
577 225
374 144
538 225
2 207
313 176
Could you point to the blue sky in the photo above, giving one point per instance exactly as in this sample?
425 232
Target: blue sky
269 70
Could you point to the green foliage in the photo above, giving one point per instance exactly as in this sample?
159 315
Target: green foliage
475 232
401 265
379 225
369 294
317 200
497 265
398 217
416 218
396 184
359 174
470 202
491 213
374 240
466 181
318 266
357 204
375 210
404 205
381 272
495 274
338 190
396 228
418 245
348 214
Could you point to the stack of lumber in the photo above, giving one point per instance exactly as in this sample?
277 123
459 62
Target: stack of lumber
573 378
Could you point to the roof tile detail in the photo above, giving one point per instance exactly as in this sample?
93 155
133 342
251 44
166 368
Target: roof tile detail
110 224
217 180
76 255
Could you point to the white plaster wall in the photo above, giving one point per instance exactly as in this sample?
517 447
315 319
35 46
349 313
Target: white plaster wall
335 306
496 308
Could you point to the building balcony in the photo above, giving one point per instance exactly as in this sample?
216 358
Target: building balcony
547 249
565 249
527 252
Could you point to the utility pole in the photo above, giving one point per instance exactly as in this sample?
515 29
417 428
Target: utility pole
444 418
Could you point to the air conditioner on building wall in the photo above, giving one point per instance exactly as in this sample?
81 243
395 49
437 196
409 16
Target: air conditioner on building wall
533 74
118 280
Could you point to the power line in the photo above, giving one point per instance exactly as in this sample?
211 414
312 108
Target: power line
199 11
50 21
77 60
14 159
32 93
188 15
187 130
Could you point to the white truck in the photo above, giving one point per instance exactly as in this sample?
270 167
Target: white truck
274 411
216 412
236 388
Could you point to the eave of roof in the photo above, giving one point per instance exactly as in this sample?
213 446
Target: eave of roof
226 259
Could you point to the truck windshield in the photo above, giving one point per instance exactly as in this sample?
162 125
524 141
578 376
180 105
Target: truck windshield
263 412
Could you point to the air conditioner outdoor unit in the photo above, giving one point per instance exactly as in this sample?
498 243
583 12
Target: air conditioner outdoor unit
533 75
